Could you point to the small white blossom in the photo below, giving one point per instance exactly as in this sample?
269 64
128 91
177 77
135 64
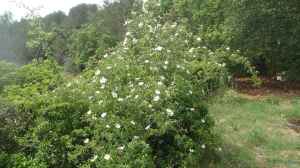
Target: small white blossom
279 78
174 25
87 140
146 61
107 126
97 92
94 158
157 92
89 112
121 148
103 80
159 48
191 50
203 121
128 34
69 84
159 83
141 25
156 98
94 117
203 146
114 94
166 62
118 126
97 72
148 127
107 157
132 122
103 115
170 112
199 39
134 41
141 83
192 150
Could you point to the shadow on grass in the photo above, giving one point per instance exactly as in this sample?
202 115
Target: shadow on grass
233 156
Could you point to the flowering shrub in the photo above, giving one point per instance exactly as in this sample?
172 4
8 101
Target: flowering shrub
143 105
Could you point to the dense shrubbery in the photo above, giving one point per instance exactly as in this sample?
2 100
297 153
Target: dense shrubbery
6 71
140 105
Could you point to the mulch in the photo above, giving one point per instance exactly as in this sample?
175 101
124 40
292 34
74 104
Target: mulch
269 86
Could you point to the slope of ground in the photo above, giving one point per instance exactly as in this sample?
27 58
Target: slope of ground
256 130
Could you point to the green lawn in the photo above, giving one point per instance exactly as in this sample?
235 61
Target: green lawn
255 131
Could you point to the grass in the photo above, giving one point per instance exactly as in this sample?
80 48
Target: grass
255 131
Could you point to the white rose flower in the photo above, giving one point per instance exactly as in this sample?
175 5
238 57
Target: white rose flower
121 148
148 127
170 112
103 80
141 25
114 94
132 122
89 112
156 98
103 115
159 48
97 72
107 157
87 140
118 126
94 158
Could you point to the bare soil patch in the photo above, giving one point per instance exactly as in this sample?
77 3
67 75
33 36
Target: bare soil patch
269 87
294 124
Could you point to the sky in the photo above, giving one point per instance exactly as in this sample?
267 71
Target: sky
45 6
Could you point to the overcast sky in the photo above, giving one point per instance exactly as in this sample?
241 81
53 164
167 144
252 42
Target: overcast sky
47 6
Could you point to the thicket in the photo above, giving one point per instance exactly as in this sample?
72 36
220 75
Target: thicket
266 32
147 68
140 104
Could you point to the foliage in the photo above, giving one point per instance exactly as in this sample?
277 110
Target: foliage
81 14
6 69
141 105
268 32
89 42
23 93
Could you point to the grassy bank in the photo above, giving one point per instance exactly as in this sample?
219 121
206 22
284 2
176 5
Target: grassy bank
256 131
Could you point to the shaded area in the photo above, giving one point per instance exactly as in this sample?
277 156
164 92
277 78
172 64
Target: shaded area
269 86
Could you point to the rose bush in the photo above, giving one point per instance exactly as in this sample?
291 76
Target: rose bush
141 105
